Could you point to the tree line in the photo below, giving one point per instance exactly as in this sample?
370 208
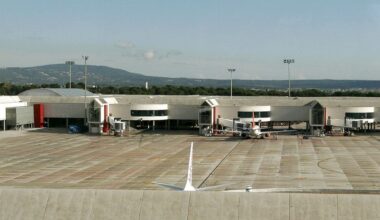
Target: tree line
14 89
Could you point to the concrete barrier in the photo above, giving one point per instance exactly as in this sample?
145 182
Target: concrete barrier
23 204
68 204
116 204
264 206
313 206
213 205
358 207
164 205
144 204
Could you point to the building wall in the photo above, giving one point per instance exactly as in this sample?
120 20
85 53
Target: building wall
290 113
122 111
359 109
175 112
9 102
377 114
64 110
19 116
255 109
299 113
337 114
2 113
13 104
9 99
181 112
149 107
227 112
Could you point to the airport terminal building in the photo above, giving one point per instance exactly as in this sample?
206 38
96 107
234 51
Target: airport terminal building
62 107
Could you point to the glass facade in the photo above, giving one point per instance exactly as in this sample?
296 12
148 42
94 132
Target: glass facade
245 114
262 114
361 115
256 114
205 117
94 112
149 113
160 112
317 115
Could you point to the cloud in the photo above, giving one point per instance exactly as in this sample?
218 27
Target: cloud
125 45
170 53
300 76
134 51
149 55
182 63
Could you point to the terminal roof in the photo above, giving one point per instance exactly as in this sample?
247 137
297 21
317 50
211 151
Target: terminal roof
56 92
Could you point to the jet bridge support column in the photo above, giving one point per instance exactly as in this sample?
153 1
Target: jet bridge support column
105 120
253 119
213 119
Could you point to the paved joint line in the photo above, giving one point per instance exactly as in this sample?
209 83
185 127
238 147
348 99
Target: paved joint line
290 206
337 207
141 201
188 206
233 148
93 198
238 208
47 203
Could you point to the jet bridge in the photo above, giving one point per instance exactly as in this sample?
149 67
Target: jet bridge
207 117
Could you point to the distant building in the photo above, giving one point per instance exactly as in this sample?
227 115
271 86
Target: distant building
66 106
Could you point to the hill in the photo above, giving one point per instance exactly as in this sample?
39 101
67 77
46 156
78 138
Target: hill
103 75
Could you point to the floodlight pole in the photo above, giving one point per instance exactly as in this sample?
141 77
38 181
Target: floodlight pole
289 80
231 70
70 63
288 61
85 88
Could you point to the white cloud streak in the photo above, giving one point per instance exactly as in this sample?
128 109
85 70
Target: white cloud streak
125 45
149 55
131 50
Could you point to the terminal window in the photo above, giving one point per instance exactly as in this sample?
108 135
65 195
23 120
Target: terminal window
205 117
160 112
265 114
148 113
361 115
245 114
317 115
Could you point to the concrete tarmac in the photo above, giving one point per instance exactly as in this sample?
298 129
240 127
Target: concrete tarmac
48 159
49 174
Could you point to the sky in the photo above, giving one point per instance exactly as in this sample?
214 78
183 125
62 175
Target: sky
329 39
